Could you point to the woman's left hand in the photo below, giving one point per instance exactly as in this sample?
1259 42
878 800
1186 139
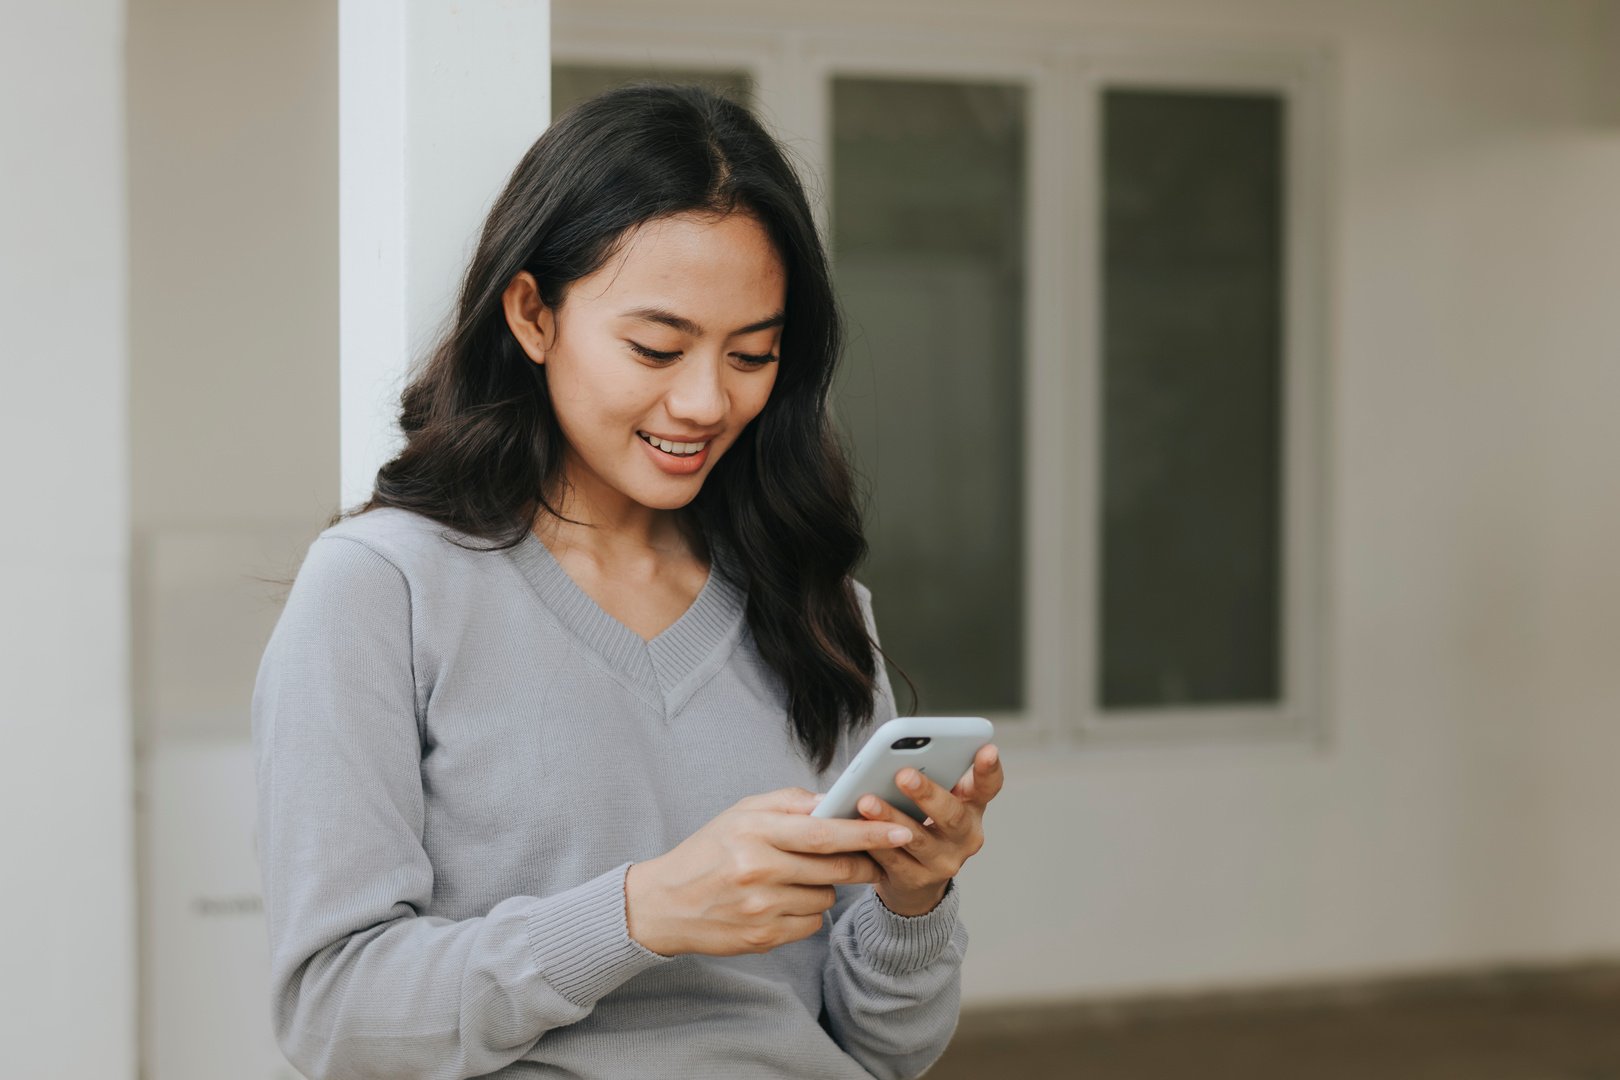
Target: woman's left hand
915 876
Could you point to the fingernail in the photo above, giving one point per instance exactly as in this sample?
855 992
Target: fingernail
994 756
910 780
870 805
900 836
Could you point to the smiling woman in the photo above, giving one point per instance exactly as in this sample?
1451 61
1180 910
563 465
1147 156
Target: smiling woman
538 731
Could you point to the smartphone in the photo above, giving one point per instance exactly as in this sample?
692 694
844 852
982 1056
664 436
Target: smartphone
939 747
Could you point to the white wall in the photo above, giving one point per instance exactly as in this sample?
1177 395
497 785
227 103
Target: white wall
233 244
67 967
233 343
233 337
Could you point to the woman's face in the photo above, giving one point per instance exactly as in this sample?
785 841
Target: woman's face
658 360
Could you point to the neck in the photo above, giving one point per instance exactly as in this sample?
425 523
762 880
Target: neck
611 527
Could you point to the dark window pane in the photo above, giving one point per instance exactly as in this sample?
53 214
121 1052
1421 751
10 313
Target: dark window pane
928 224
1191 576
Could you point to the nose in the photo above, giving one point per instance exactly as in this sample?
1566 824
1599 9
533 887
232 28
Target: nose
697 396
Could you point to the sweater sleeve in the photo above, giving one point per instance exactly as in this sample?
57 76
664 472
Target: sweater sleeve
891 988
363 983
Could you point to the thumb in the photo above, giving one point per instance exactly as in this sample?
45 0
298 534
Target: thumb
788 800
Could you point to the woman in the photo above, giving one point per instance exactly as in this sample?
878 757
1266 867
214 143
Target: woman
538 729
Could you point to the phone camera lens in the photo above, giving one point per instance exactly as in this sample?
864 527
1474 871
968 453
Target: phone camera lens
913 742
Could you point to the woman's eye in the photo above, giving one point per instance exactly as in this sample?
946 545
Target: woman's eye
748 359
653 354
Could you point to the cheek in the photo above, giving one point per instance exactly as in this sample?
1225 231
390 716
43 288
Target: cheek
591 399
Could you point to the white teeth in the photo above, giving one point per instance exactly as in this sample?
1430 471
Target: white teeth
683 448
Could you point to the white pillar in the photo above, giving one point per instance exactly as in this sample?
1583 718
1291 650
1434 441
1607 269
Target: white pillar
67 967
437 100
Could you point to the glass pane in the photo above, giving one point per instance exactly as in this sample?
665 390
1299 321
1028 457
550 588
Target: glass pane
573 83
1191 580
928 226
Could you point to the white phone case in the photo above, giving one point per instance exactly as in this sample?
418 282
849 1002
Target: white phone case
952 742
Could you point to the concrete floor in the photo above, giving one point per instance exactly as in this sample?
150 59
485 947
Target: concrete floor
1502 1026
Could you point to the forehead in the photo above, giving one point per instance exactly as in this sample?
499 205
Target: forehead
691 264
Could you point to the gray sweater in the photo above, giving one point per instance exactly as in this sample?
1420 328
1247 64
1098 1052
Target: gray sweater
459 753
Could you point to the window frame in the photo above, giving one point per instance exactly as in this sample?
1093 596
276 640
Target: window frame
792 65
1299 78
827 60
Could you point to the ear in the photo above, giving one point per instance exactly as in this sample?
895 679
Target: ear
531 321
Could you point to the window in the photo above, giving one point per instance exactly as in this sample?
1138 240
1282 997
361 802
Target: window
1192 371
928 254
1082 287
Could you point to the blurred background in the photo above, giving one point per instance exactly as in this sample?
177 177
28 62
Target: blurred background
1234 382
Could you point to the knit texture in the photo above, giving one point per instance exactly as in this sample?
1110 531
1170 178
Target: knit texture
458 755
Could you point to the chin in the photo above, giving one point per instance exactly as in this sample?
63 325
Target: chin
668 500
675 493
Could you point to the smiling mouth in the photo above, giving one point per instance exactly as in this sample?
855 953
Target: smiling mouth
673 449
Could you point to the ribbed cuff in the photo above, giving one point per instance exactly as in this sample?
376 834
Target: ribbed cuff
896 944
581 943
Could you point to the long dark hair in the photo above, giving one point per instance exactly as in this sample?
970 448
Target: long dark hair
484 450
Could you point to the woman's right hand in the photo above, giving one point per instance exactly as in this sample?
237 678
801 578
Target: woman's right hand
759 875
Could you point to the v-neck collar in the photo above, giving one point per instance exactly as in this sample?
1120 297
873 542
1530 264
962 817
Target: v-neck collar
665 664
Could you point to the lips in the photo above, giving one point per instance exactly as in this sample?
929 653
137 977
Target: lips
674 462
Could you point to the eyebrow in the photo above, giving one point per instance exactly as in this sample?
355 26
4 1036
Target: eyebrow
687 326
